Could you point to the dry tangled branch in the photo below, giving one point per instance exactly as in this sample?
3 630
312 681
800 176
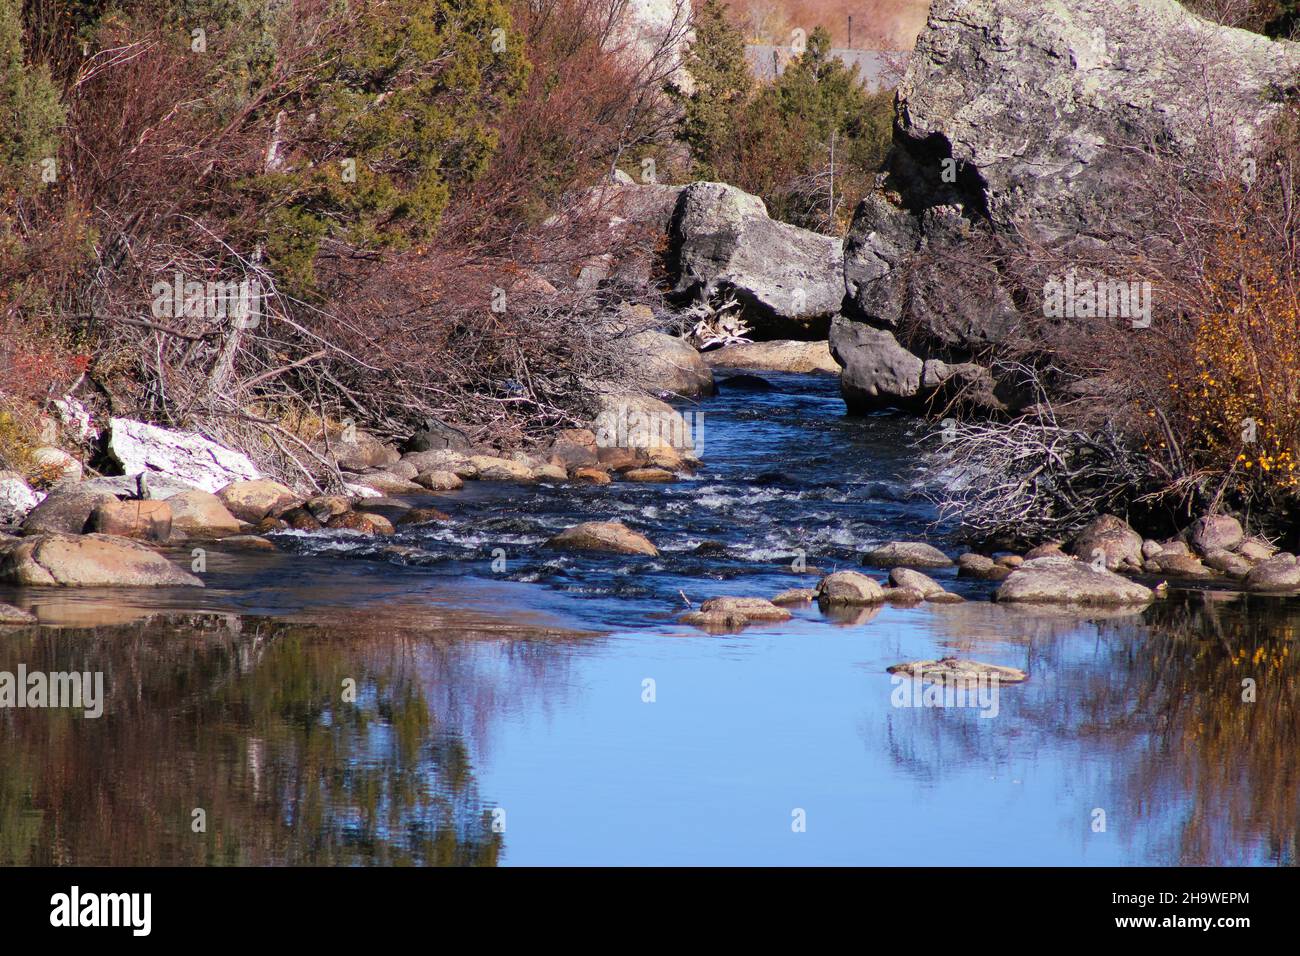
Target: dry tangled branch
1020 482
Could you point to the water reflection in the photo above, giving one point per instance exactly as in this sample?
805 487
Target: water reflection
247 721
245 718
1180 722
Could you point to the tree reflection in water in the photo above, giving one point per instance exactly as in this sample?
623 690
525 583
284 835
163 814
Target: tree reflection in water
1149 710
245 720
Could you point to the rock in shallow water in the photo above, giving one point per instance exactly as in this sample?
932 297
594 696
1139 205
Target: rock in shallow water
1279 573
916 581
611 536
906 554
953 670
252 501
1067 581
733 613
92 560
849 587
14 615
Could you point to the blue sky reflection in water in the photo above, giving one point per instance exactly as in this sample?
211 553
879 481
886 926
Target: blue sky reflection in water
517 698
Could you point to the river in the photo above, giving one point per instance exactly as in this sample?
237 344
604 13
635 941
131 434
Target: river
459 694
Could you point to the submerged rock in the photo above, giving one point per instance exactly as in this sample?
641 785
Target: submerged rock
92 560
1067 581
953 670
649 475
611 536
423 516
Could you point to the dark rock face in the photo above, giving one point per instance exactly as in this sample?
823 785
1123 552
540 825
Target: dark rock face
436 436
1011 127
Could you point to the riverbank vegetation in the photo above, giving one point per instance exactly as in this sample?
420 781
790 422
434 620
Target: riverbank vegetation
404 190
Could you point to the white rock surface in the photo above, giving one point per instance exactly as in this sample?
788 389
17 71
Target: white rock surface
185 456
16 498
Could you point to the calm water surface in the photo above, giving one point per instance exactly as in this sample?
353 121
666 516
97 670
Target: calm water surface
500 716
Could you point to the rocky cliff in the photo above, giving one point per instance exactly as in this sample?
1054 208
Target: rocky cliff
1027 122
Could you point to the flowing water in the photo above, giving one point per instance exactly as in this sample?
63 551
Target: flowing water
461 694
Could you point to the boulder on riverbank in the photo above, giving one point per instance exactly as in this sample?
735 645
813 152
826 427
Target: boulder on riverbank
17 499
1109 539
187 457
252 501
1031 111
610 536
661 362
1067 581
1278 573
786 279
66 511
133 519
92 560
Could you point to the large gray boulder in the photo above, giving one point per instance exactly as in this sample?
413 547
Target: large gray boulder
666 363
785 278
188 457
1014 123
878 372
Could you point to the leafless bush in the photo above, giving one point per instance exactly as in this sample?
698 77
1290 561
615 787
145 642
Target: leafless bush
1020 482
